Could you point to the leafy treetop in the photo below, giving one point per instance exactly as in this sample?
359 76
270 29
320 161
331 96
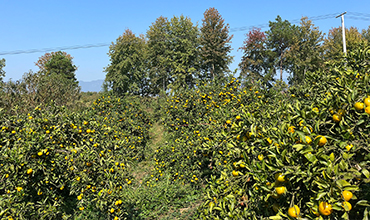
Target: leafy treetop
215 44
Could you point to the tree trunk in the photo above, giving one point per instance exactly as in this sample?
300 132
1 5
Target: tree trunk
281 67
213 71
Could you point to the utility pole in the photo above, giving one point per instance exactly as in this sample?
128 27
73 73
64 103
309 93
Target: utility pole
343 32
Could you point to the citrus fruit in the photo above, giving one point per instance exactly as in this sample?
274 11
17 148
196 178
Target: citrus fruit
308 140
260 157
325 208
337 117
294 211
346 205
348 147
367 101
279 177
235 173
280 190
347 195
367 110
359 106
322 140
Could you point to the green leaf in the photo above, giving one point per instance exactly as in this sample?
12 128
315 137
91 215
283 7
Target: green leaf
320 195
363 203
276 217
360 122
366 173
351 188
298 147
342 183
366 215
332 157
310 157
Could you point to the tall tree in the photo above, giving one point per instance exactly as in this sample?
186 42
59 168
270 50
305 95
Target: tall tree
158 45
59 63
333 44
279 39
2 72
366 34
37 88
127 72
305 52
257 59
173 53
183 53
215 44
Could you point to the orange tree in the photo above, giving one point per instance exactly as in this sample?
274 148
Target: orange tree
114 140
58 163
303 149
193 119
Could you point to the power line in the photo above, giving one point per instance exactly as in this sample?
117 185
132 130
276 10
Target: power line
358 18
313 18
359 14
353 15
54 49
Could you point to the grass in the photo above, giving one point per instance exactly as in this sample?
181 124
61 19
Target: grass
160 199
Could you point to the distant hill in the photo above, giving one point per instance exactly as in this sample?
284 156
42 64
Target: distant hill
92 86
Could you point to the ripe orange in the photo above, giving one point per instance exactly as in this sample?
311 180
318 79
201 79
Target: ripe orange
235 173
348 147
294 211
279 177
308 140
347 195
322 140
367 110
367 101
359 106
325 208
260 157
347 205
291 129
280 190
337 117
29 171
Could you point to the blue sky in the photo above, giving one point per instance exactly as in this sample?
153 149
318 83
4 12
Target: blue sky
36 24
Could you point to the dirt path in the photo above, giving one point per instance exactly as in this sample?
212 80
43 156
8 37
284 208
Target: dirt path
144 167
